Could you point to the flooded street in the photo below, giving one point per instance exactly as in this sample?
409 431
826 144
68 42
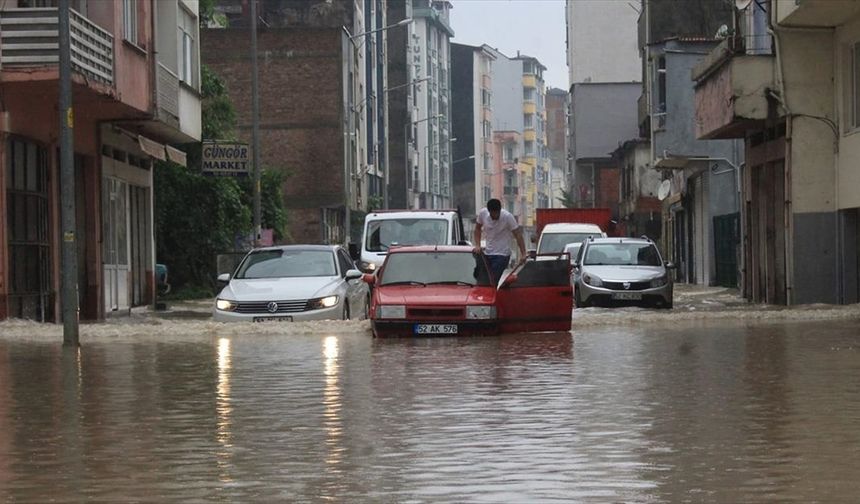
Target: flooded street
709 410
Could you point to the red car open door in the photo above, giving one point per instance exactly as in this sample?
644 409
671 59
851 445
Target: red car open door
540 299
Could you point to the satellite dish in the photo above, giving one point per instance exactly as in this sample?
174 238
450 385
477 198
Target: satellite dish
664 189
742 4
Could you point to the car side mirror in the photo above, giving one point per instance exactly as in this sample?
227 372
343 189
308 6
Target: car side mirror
353 274
534 239
511 278
532 254
575 265
368 278
224 277
670 265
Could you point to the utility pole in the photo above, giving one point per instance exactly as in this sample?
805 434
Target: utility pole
69 275
255 122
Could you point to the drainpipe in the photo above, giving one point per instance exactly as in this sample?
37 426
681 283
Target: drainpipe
788 221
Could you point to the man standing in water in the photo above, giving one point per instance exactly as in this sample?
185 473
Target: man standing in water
497 227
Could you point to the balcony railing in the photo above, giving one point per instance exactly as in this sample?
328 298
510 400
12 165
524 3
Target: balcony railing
30 37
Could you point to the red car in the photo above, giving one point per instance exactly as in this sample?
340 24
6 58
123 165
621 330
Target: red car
447 290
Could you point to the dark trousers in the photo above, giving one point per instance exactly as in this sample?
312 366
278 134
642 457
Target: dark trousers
498 263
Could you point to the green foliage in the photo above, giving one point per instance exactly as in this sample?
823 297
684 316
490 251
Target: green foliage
219 116
374 203
273 215
188 292
197 217
567 199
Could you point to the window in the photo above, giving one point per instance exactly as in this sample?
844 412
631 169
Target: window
529 120
529 94
187 48
486 98
129 20
488 129
855 86
508 155
529 148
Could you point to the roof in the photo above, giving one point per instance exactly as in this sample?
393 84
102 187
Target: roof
297 247
622 239
430 248
394 214
571 227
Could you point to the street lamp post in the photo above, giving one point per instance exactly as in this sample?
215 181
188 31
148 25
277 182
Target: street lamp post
406 151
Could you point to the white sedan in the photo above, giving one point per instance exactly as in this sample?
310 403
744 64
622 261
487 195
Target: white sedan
293 283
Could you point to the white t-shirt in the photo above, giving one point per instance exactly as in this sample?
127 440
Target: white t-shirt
497 233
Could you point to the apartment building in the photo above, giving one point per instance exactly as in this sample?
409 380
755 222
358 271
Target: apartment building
136 83
472 122
786 83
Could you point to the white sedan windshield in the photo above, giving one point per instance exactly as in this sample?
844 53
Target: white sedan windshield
288 263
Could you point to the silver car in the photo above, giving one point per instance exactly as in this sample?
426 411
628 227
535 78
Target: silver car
621 270
293 283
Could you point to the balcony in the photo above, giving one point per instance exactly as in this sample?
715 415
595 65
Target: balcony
731 92
529 107
529 81
816 13
30 38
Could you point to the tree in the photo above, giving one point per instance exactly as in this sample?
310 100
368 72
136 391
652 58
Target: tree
567 199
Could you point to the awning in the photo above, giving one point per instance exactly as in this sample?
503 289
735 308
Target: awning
151 148
175 155
677 161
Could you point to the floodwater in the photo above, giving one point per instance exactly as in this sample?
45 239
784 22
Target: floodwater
192 411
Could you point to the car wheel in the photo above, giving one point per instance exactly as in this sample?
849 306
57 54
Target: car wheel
346 311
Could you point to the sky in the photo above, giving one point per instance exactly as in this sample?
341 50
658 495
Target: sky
534 27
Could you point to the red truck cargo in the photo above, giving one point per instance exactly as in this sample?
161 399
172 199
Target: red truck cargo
600 216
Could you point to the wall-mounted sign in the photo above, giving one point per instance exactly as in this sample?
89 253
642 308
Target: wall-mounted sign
225 158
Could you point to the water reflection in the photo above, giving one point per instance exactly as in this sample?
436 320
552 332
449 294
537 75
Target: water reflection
332 402
702 413
224 409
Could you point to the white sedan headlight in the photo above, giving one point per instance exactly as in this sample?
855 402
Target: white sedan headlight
320 303
660 281
226 305
480 312
592 280
391 311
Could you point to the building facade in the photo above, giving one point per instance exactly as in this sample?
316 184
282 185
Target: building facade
419 104
472 116
328 133
136 83
603 96
519 95
557 109
788 75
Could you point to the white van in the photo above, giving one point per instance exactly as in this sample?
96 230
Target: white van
555 236
385 229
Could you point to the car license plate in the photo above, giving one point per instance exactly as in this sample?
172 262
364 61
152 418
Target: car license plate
435 328
627 296
273 319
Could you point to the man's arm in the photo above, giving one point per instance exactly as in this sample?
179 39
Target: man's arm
477 243
518 234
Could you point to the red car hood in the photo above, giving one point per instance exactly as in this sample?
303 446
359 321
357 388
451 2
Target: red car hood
435 295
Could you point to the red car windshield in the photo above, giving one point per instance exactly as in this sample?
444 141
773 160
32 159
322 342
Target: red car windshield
426 268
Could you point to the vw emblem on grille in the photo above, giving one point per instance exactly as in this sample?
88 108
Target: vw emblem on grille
626 285
272 307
